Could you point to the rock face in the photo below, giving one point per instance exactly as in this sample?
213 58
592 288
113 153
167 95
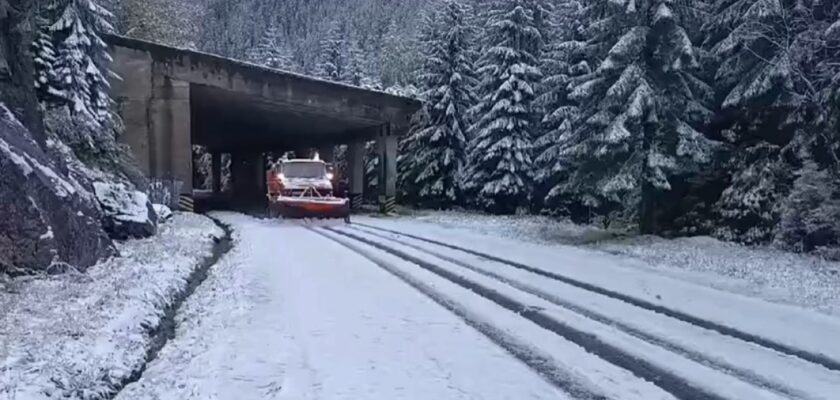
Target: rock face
127 213
47 216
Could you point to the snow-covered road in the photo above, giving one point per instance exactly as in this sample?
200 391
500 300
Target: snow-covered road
289 314
388 309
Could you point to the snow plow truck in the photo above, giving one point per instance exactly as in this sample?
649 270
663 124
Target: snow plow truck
304 188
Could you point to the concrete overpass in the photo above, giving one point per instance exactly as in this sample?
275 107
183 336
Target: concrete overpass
171 99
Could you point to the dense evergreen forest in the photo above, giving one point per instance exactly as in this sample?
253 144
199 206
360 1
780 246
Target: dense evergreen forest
717 117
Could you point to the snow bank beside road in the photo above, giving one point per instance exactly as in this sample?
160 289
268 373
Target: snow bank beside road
534 228
770 274
633 279
77 335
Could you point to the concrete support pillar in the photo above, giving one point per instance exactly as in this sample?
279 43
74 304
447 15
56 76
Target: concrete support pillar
356 170
387 148
170 132
217 171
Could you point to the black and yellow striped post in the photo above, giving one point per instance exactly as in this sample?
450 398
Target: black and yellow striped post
356 201
186 203
388 205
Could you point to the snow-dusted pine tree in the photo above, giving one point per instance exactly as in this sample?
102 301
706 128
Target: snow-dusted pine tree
407 166
272 51
564 61
810 216
398 57
746 36
500 174
542 12
332 62
44 60
202 168
438 145
749 207
772 82
81 57
639 108
371 188
357 66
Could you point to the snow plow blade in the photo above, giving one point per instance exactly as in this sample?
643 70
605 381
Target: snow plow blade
315 208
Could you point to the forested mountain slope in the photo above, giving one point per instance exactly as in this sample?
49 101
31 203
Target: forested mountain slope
671 117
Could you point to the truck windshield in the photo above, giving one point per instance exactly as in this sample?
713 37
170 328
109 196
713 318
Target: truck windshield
304 169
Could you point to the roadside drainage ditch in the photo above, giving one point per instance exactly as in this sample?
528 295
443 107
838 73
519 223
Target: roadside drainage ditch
165 330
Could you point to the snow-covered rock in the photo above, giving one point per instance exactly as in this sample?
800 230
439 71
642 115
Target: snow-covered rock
46 217
127 213
163 212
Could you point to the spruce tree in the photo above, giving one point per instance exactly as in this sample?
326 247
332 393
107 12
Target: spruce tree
639 108
332 62
500 172
44 51
357 68
564 62
755 91
80 63
754 70
371 188
398 55
542 12
447 78
774 71
810 215
271 51
407 166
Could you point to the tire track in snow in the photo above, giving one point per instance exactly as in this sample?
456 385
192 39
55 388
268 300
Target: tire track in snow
710 325
667 380
540 363
728 368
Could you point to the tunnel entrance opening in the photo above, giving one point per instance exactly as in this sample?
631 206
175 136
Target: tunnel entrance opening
174 99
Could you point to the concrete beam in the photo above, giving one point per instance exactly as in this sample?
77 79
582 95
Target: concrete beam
287 91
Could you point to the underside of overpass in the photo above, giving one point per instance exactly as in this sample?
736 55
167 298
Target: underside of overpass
173 99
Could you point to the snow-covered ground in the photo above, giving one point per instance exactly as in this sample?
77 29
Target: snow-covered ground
289 314
768 273
330 311
78 336
632 278
302 310
724 365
